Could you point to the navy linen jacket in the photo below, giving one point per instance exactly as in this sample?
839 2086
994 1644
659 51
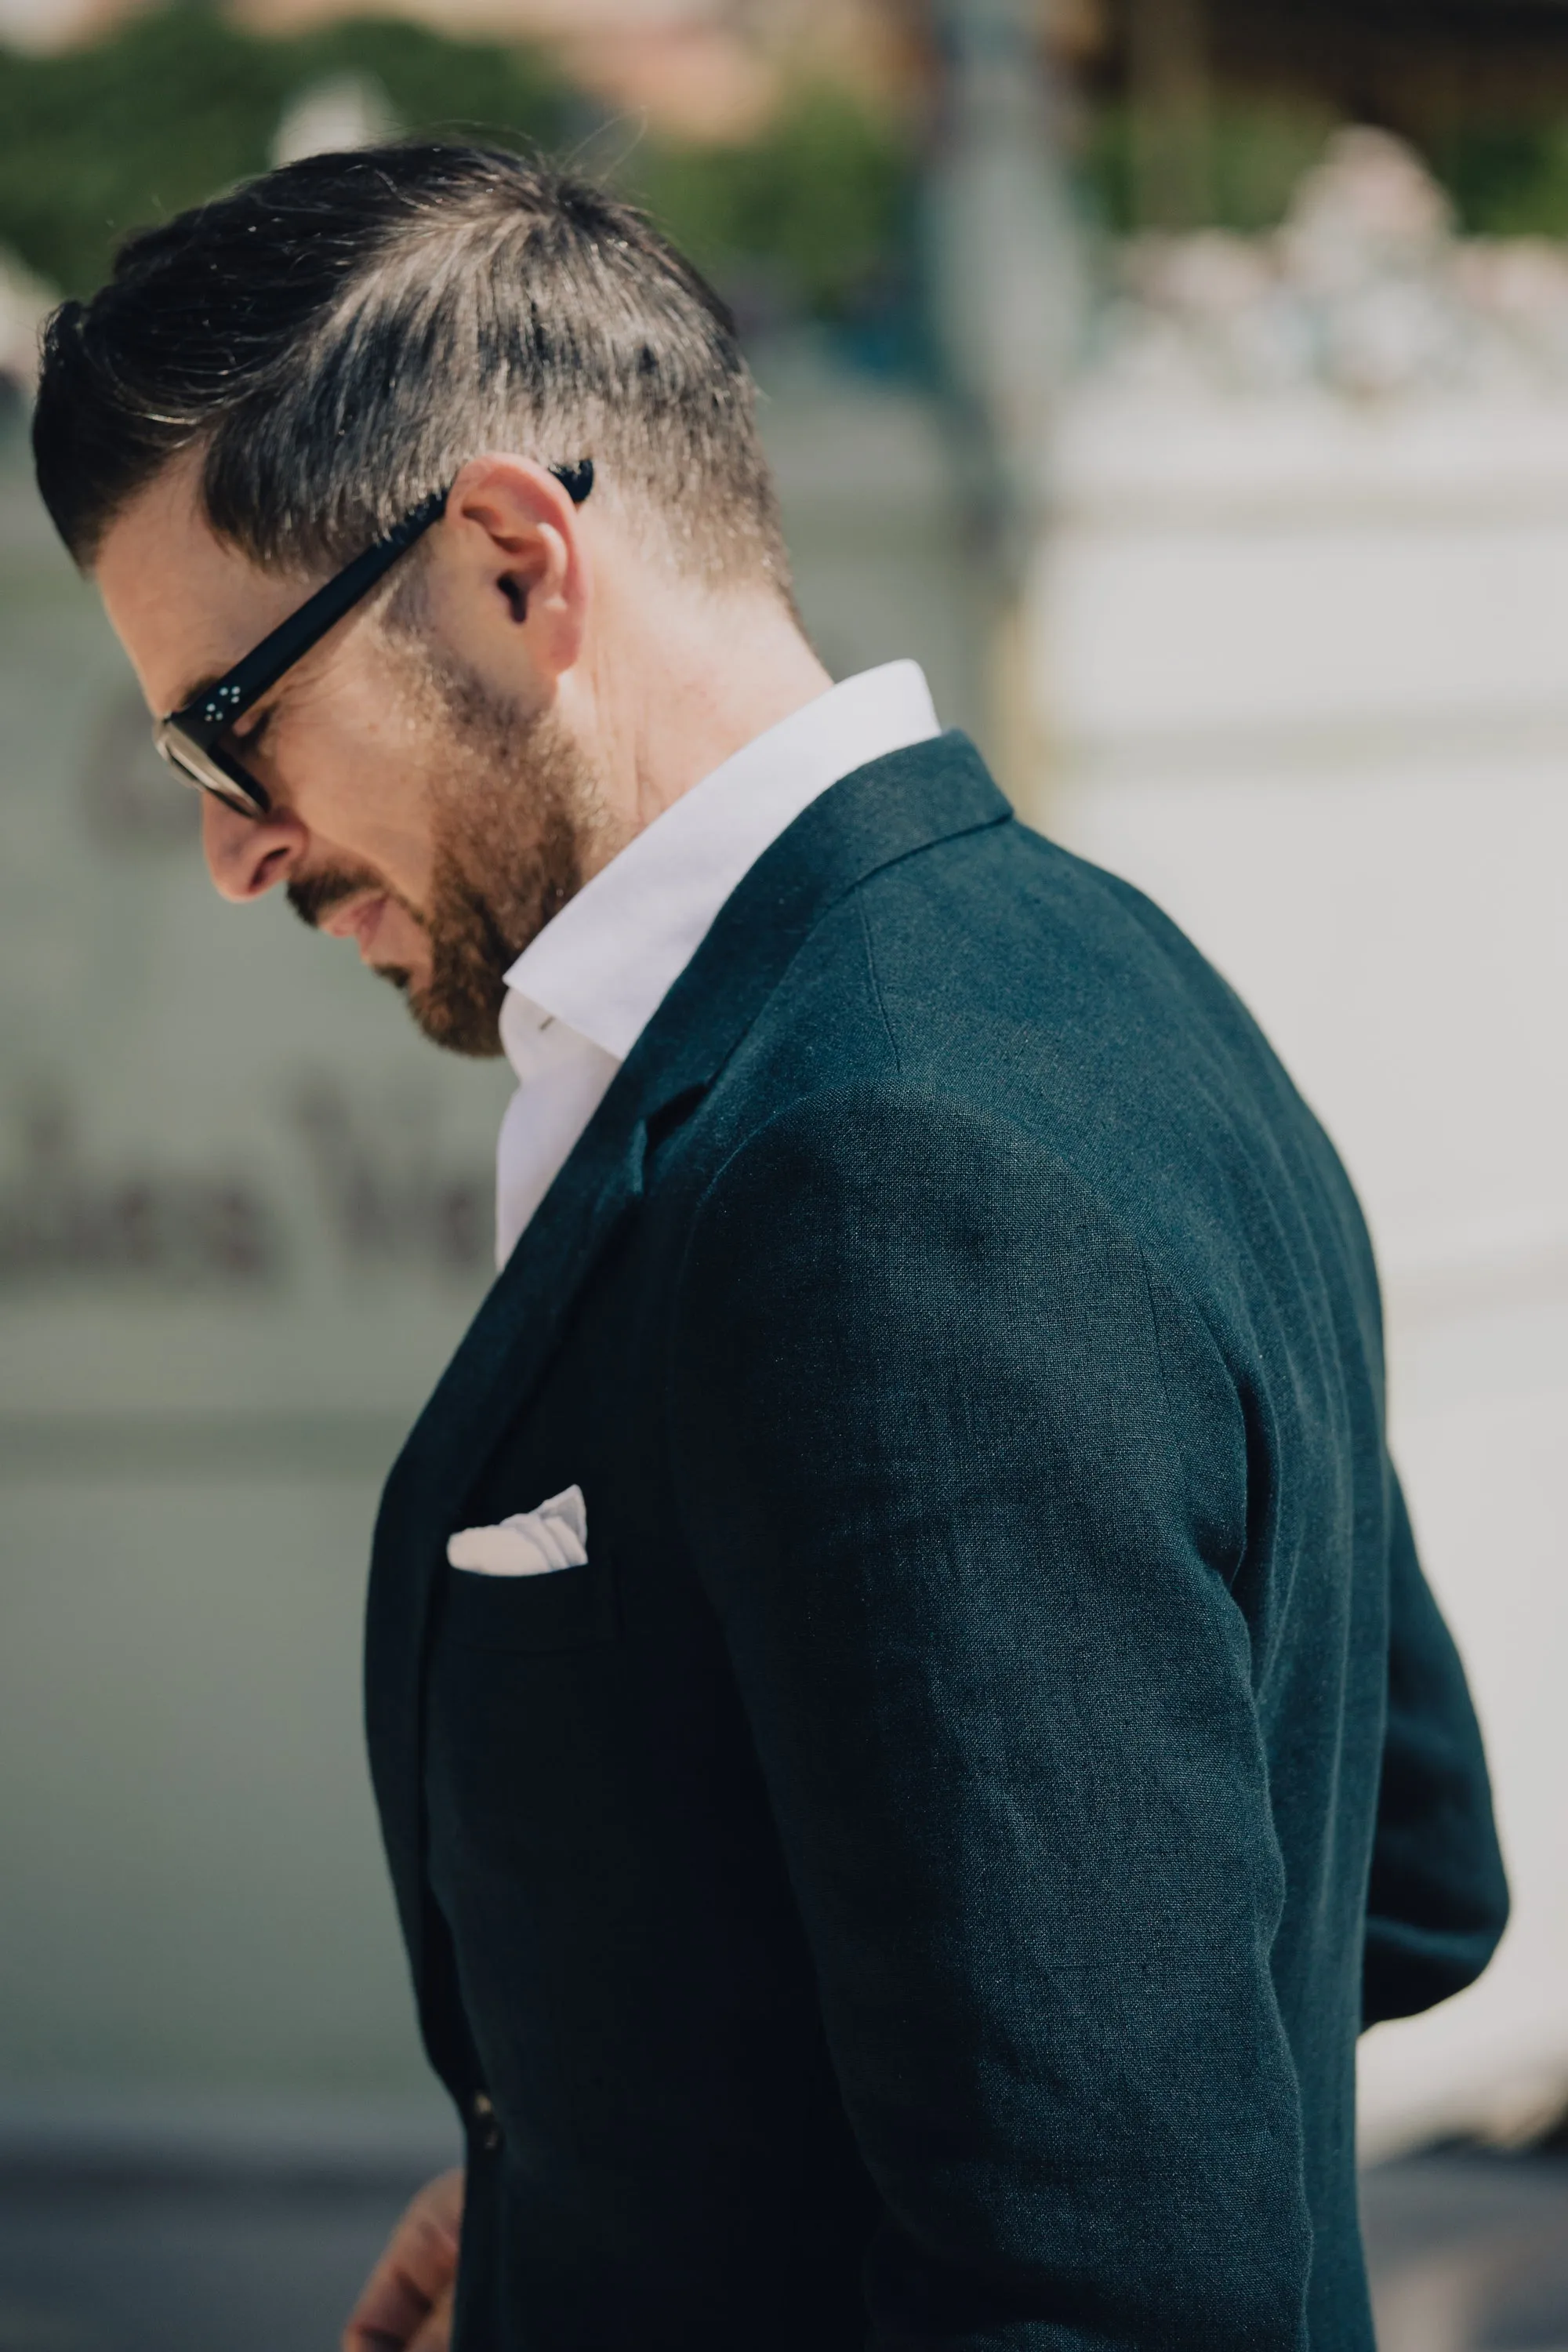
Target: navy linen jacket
920 1882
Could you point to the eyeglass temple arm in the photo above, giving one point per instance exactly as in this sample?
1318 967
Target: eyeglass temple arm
280 650
265 666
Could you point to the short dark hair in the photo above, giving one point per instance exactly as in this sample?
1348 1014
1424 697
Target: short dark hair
339 337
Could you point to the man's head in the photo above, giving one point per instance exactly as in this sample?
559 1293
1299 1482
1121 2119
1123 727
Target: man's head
268 385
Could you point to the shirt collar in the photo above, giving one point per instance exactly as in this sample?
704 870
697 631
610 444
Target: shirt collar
605 964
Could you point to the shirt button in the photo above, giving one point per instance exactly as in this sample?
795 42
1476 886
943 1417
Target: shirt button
486 2127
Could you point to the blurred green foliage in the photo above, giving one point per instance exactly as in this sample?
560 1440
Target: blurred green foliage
819 207
173 106
1508 179
1259 154
1249 155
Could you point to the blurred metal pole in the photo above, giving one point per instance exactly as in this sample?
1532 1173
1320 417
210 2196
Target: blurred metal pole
1005 283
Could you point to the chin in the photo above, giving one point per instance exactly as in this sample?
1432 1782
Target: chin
457 1025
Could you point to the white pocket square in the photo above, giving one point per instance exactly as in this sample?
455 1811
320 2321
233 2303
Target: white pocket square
530 1543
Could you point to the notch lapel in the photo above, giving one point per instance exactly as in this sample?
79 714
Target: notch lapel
886 811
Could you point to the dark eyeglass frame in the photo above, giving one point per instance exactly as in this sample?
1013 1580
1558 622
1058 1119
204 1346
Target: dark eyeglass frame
190 739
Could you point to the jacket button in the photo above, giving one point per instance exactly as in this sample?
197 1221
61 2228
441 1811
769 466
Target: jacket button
487 2126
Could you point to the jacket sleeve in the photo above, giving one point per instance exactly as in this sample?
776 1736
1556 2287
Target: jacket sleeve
1003 1707
1437 1899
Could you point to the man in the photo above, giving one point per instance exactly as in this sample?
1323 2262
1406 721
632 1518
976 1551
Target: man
908 1730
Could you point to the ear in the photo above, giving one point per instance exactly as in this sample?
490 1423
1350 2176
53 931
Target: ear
515 560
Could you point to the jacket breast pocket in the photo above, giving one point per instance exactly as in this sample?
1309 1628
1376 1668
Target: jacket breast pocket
568 1609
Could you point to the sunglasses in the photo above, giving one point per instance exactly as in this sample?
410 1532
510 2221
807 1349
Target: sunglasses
191 738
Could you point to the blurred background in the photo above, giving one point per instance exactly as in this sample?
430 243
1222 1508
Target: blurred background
1186 384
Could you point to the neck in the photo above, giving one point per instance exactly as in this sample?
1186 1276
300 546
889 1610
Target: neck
707 681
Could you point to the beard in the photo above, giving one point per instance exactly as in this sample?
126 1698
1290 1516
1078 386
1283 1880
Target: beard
514 817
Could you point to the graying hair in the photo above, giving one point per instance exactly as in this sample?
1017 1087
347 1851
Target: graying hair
338 338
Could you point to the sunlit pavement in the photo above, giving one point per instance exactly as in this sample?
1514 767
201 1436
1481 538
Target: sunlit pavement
1469 2255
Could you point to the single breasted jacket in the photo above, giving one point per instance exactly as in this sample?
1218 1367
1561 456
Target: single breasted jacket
920 1880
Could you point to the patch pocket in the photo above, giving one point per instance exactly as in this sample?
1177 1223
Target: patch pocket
567 1609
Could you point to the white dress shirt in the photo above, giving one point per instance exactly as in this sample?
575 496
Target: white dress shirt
582 993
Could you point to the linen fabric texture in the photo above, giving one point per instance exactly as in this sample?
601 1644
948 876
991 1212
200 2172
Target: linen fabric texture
919 1882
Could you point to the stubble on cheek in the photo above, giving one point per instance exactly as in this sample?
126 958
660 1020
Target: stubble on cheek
489 897
513 814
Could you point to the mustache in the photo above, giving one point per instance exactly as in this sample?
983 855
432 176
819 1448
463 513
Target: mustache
313 896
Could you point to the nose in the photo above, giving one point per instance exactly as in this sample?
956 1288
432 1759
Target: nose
247 854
